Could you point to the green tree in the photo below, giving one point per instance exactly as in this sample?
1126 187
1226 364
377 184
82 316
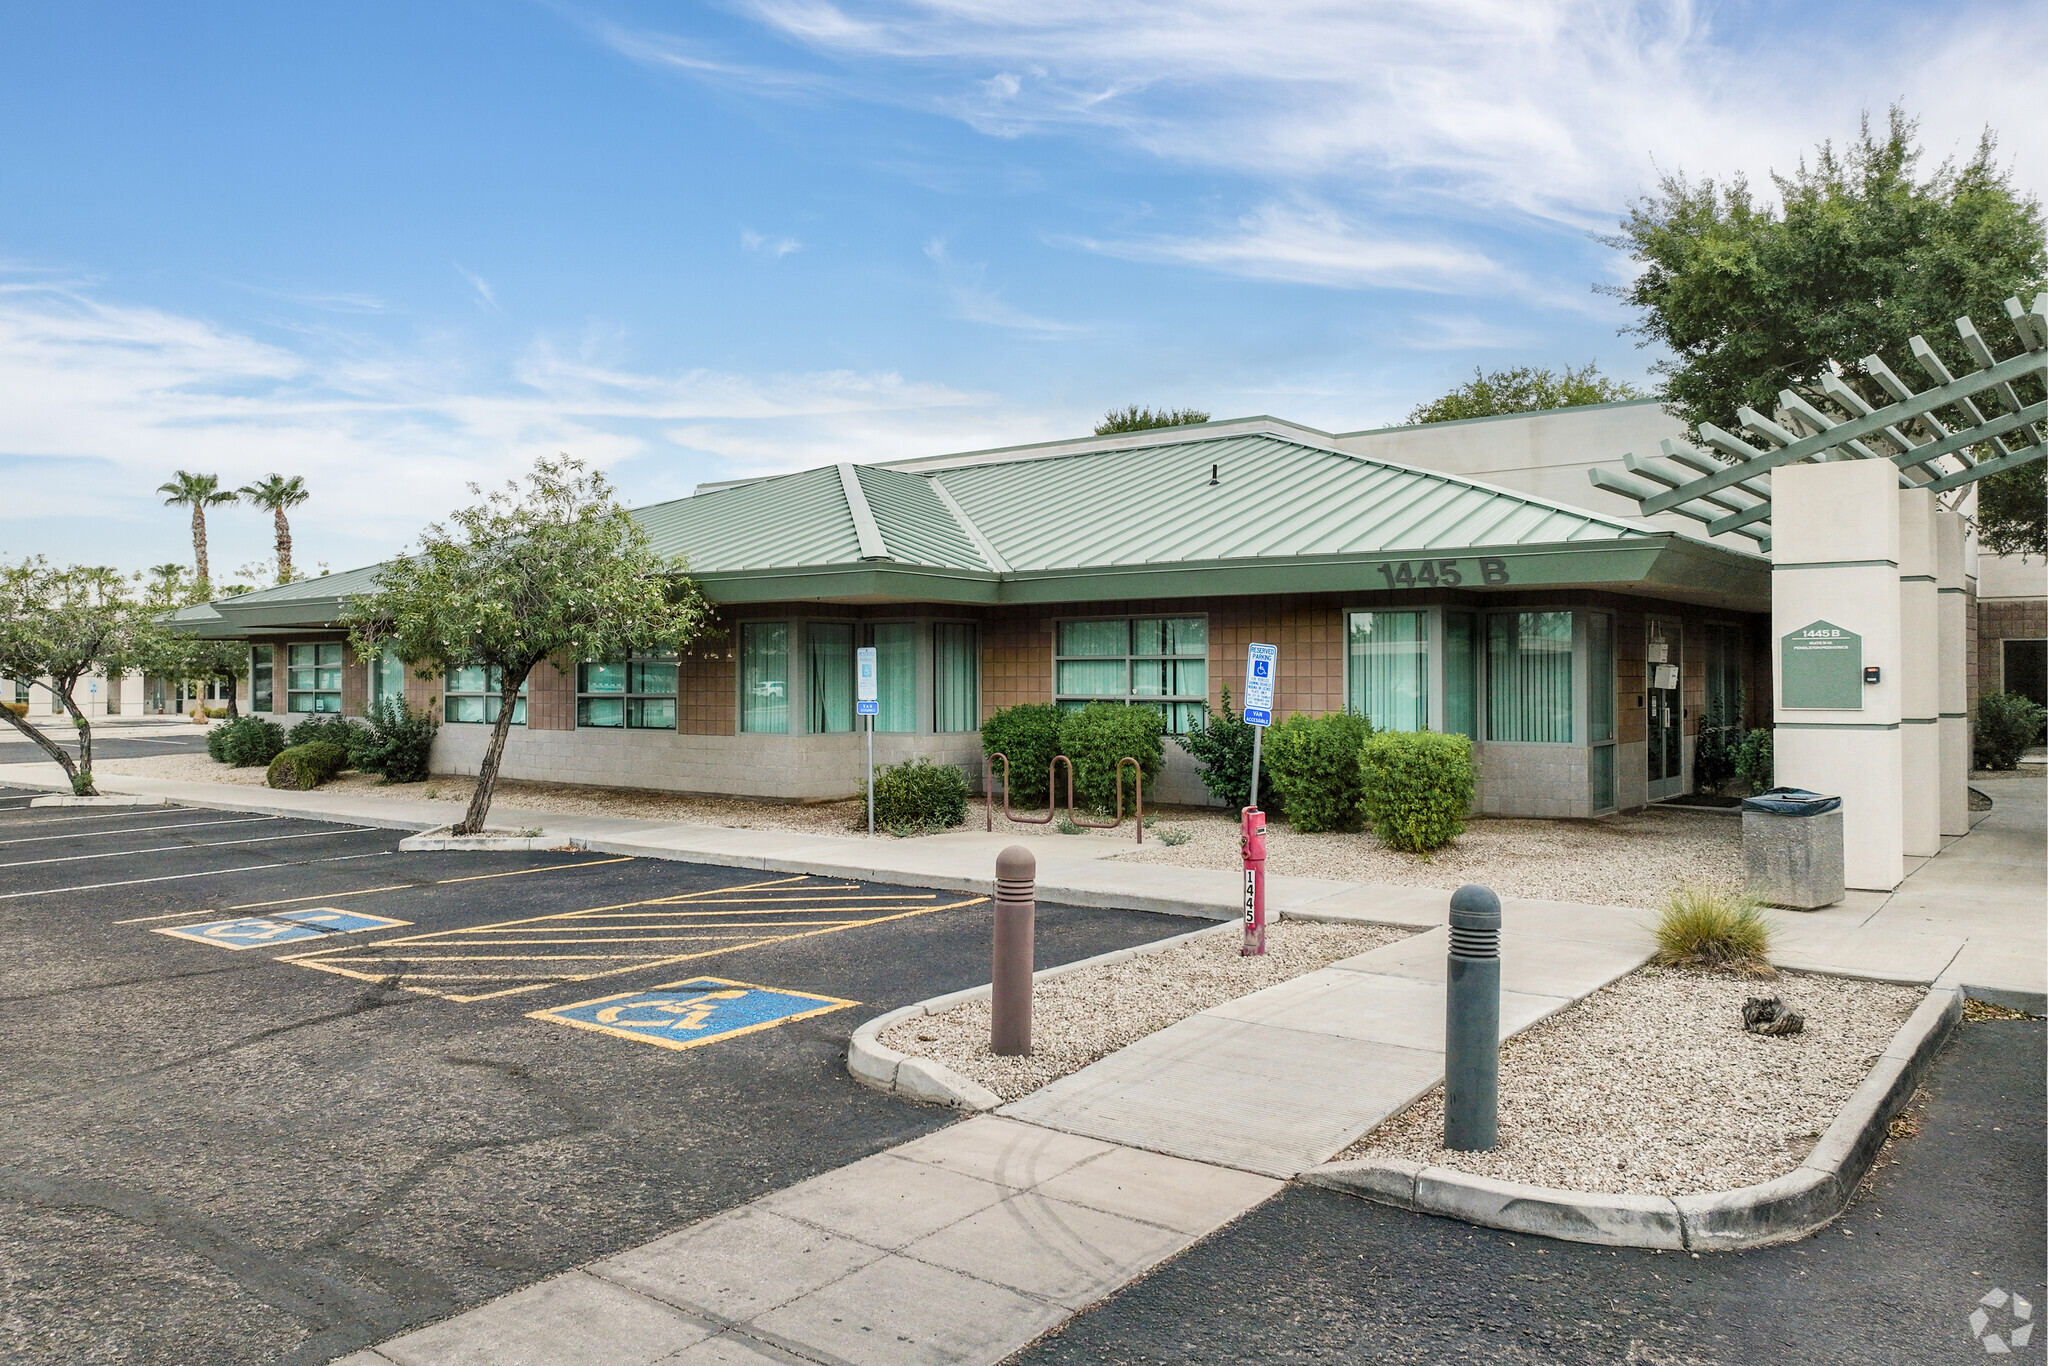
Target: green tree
198 492
1136 419
278 495
56 626
556 568
1860 254
1524 389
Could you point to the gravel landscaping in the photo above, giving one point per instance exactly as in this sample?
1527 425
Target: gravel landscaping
1651 1086
1085 1015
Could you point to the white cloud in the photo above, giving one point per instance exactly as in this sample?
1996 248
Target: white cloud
482 287
1551 108
777 247
100 401
973 301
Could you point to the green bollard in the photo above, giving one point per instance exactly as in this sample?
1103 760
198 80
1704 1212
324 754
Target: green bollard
1472 1023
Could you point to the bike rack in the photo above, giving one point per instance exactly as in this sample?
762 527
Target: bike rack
988 789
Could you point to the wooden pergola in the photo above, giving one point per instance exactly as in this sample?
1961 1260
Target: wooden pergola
1962 429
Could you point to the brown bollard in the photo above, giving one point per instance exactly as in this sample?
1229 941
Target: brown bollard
1009 1033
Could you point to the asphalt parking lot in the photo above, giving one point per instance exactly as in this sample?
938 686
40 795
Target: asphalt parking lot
274 1091
108 742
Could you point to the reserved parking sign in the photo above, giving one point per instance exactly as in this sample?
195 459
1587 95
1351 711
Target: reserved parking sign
1260 664
867 697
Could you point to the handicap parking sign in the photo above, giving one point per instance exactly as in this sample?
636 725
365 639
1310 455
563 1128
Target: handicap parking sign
1259 665
686 1014
286 927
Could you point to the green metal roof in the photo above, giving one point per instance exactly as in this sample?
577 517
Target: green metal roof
1283 515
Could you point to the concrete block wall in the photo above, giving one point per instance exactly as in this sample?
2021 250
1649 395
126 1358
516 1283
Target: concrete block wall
1534 780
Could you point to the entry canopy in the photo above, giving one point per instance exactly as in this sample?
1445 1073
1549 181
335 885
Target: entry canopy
1930 435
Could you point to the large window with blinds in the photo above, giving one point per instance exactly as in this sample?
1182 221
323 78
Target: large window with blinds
1529 677
262 679
1161 662
1722 648
1387 669
1600 707
764 677
830 678
895 645
1461 674
956 677
475 696
313 678
632 694
387 680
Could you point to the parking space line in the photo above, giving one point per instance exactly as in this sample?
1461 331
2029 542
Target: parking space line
333 896
129 814
137 829
176 848
210 872
662 926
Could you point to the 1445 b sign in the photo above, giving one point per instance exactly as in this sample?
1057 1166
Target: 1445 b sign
1443 573
1821 668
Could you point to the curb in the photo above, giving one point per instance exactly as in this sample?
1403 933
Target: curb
1781 1210
113 800
439 838
875 1064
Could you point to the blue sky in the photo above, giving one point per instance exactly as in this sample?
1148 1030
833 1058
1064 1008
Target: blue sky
398 247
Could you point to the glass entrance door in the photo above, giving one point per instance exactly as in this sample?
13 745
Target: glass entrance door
1667 711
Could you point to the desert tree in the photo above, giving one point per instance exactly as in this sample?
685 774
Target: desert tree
278 495
59 624
548 567
198 492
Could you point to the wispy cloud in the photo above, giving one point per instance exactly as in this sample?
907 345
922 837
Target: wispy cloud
103 399
777 247
973 301
482 287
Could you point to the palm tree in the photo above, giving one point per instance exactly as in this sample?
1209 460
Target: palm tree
199 492
278 493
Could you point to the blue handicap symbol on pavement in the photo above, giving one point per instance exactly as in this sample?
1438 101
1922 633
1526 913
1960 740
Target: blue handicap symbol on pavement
286 927
686 1014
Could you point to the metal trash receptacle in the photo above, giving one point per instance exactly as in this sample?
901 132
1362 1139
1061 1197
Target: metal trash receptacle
1792 848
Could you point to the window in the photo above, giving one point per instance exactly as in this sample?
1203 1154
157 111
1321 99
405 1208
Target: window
1389 669
1161 662
831 677
1600 707
474 696
956 677
1529 677
639 694
1461 674
313 678
895 645
262 668
764 677
2025 668
387 679
21 692
1723 677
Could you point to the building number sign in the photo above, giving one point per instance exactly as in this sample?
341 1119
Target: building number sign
1441 573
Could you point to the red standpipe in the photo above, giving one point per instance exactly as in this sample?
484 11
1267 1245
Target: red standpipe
1252 841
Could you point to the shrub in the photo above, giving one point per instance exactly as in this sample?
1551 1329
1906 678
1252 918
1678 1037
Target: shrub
920 796
18 708
246 743
300 767
330 730
1753 760
213 713
398 743
1029 736
1716 928
1096 736
1314 760
1174 834
2008 724
1417 787
1223 747
1719 745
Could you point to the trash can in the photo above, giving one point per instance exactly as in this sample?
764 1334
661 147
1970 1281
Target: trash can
1792 848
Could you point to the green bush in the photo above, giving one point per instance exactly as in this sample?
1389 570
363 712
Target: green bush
1029 736
1223 747
1717 928
327 730
1753 760
1096 736
300 767
919 797
398 743
246 743
1716 751
2008 724
1418 787
1314 761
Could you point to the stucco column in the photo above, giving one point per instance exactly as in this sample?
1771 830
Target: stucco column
1952 670
1919 677
1835 612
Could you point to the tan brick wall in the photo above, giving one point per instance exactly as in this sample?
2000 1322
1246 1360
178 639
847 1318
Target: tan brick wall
2000 620
707 682
355 682
550 697
1016 661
